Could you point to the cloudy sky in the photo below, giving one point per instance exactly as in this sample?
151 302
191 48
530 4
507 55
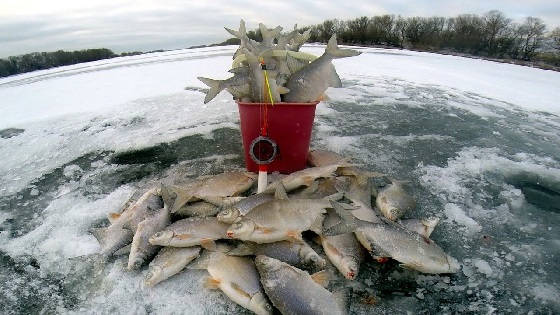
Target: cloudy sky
128 25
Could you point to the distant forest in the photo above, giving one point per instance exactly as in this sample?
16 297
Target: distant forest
492 36
45 60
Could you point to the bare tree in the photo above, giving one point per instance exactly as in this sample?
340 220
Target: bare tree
495 26
531 33
555 36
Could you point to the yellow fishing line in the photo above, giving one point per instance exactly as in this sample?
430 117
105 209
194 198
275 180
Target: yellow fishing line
268 86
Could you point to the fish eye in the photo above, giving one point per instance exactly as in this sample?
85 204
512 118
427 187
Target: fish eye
238 225
158 234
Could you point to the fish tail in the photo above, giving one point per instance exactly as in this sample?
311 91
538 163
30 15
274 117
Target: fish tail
348 224
216 87
335 52
430 225
239 34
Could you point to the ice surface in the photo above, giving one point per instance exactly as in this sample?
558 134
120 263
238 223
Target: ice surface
478 140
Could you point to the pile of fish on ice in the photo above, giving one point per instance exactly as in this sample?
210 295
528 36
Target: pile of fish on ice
289 75
218 221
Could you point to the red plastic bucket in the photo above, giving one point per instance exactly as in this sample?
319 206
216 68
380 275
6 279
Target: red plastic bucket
289 126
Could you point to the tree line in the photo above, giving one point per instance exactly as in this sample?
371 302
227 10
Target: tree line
491 34
45 60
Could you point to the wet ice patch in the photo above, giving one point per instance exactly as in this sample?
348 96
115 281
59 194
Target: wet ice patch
63 232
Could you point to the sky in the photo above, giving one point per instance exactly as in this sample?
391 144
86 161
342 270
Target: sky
143 25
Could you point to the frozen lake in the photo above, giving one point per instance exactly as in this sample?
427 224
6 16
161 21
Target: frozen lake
479 141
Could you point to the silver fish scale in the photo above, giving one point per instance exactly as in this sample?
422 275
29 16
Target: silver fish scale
246 205
293 291
202 227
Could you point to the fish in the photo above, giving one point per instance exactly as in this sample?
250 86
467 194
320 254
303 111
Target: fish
294 291
191 232
228 184
168 262
241 208
123 225
300 255
237 85
311 82
344 251
198 209
304 177
237 277
111 239
279 220
141 250
223 185
393 201
387 239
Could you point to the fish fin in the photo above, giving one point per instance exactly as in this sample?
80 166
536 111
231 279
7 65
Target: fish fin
208 244
283 90
349 222
211 283
183 236
243 249
280 192
334 79
216 87
240 290
294 236
335 52
123 251
317 225
113 216
232 32
321 278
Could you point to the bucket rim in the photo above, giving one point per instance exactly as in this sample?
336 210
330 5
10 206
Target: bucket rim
279 103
